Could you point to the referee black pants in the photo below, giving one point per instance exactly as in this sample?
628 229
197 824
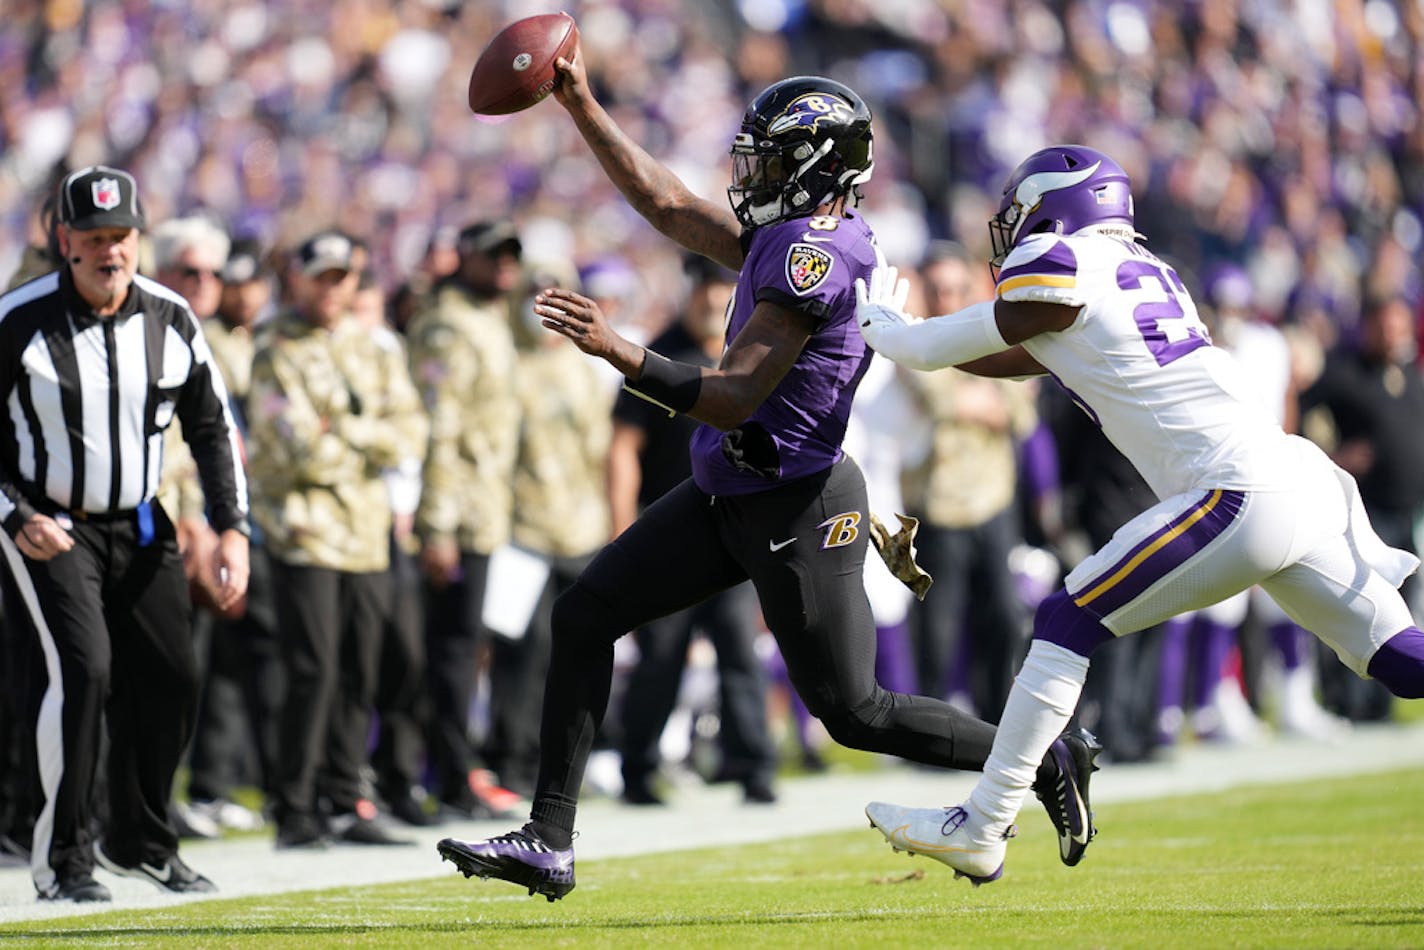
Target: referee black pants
803 546
111 620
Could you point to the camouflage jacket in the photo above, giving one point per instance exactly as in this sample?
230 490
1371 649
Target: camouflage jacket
462 359
179 491
971 472
560 505
328 412
232 350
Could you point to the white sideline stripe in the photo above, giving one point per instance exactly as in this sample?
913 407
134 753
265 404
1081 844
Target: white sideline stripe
710 816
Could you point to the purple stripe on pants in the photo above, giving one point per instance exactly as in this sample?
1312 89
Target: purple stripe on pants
1160 553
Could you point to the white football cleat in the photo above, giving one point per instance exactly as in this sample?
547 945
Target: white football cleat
952 836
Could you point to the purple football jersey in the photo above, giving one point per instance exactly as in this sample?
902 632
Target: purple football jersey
810 265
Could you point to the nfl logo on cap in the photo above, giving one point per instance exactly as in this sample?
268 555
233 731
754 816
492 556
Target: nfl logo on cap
107 194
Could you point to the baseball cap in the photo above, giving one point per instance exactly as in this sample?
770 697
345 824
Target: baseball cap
324 251
99 197
486 237
244 262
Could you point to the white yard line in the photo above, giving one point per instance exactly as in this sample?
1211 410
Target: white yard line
707 816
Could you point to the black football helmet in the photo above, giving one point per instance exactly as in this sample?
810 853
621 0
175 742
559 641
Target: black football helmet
804 141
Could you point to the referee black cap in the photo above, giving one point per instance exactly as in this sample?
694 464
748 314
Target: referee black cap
99 197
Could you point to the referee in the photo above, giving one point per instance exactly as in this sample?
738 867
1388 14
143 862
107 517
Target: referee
95 362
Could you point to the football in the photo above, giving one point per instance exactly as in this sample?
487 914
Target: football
516 69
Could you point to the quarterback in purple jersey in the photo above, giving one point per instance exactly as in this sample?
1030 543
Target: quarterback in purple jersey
772 496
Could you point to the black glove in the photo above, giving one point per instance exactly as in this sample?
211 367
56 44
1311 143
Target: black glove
752 449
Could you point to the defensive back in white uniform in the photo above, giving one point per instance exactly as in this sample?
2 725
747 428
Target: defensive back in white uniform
1241 502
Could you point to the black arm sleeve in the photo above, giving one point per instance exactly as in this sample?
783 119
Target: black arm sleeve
673 385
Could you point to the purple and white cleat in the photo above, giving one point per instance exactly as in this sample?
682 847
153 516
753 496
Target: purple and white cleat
1066 800
520 857
949 835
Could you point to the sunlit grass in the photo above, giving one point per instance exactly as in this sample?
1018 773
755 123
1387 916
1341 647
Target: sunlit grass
1322 864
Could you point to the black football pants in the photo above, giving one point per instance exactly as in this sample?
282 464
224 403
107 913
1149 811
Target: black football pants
803 545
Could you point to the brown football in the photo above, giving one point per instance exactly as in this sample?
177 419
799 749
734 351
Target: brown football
516 69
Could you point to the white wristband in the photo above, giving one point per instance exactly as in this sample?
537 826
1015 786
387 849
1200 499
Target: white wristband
942 341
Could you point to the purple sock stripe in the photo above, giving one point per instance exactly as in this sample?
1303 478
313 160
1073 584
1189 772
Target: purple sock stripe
894 667
1211 644
1290 641
1059 620
1172 664
1162 552
1399 664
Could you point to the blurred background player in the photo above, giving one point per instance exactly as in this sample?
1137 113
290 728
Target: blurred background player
328 415
243 695
463 362
1367 409
191 254
969 631
401 700
560 519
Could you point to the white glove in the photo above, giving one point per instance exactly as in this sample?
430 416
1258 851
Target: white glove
880 304
919 344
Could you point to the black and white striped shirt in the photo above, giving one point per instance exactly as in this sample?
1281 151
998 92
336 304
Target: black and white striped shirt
86 400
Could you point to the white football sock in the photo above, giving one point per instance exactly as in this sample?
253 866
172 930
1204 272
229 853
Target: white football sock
1042 701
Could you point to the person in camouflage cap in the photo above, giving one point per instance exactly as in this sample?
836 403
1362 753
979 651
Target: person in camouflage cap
463 359
326 417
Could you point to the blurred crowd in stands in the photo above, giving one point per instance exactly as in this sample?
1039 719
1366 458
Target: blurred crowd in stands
1276 150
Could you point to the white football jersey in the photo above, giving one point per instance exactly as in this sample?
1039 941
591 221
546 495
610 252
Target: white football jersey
1140 362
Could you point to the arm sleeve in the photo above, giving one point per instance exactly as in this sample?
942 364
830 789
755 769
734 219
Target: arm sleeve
940 341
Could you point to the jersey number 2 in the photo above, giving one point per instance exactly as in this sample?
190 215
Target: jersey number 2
1164 312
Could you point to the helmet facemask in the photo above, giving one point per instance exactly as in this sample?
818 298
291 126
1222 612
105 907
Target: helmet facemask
771 184
1003 232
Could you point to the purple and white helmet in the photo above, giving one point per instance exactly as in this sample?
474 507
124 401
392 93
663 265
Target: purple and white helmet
1059 190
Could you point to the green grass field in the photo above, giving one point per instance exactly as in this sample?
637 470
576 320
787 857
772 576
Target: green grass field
1330 864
